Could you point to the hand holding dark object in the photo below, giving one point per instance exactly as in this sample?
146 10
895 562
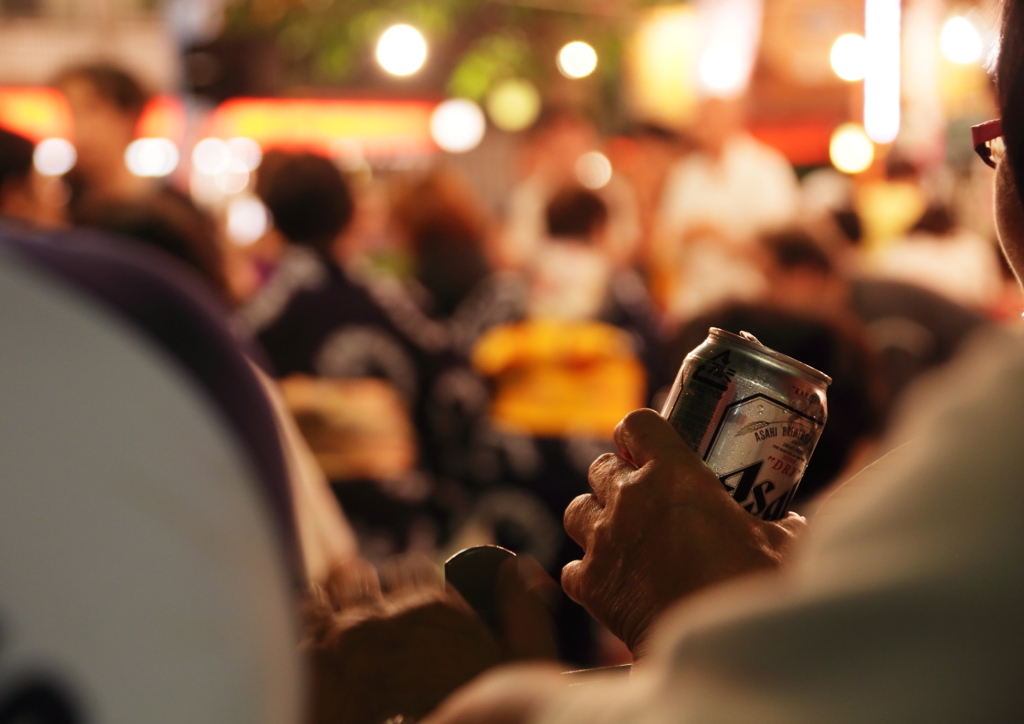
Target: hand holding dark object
399 643
509 592
658 527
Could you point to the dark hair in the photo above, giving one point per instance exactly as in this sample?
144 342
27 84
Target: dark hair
112 84
308 198
446 227
169 222
937 220
15 157
575 212
1010 85
795 249
848 222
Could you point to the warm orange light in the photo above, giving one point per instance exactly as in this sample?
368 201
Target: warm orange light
163 117
376 127
35 113
39 112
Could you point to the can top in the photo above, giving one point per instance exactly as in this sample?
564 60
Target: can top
746 339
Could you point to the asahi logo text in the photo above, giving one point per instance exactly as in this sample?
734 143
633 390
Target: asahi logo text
767 430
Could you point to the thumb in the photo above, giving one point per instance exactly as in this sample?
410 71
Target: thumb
644 435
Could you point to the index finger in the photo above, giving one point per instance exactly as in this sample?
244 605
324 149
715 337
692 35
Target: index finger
644 435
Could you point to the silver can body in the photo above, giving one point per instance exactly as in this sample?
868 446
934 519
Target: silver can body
753 414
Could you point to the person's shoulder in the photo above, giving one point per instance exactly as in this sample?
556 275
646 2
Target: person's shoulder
398 310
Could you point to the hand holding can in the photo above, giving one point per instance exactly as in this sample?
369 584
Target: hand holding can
658 527
752 414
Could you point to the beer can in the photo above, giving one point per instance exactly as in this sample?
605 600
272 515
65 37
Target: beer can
753 414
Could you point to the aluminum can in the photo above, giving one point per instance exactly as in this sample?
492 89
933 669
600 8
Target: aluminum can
753 414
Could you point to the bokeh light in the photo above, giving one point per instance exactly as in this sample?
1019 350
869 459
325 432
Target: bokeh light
457 125
401 50
232 182
960 41
247 220
513 105
593 170
882 96
54 157
577 59
151 157
849 56
721 70
245 154
850 149
211 156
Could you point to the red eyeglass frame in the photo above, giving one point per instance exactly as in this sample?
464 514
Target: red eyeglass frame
983 134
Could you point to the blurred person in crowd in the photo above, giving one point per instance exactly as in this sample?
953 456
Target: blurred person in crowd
27 197
644 155
168 223
360 362
899 603
211 519
910 329
939 255
121 375
447 233
572 277
569 344
889 207
715 203
18 198
554 157
106 104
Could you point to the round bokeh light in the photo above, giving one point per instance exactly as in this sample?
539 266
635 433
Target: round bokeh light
593 170
850 149
211 156
247 220
960 41
513 105
54 157
577 59
721 70
849 57
401 50
151 157
457 125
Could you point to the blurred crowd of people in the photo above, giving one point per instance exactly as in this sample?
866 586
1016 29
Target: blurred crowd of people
456 369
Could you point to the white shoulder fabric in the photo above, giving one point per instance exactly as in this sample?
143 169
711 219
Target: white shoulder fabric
138 565
325 536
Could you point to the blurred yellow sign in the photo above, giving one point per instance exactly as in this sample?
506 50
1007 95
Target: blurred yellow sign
557 378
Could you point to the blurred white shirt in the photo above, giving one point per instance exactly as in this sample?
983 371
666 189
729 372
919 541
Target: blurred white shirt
712 212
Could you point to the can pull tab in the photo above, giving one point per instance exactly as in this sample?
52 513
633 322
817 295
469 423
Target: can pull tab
750 338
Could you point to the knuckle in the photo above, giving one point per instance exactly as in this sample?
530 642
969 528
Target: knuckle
579 518
571 573
575 510
601 464
637 418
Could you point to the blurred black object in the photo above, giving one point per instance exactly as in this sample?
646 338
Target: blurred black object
473 572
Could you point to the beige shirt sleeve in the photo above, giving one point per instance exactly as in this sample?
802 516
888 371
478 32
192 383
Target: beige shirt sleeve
903 604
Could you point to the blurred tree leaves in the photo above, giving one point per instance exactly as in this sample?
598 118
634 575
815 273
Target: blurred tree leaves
473 43
491 58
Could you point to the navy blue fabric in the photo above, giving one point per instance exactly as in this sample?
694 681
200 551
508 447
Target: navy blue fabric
162 300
